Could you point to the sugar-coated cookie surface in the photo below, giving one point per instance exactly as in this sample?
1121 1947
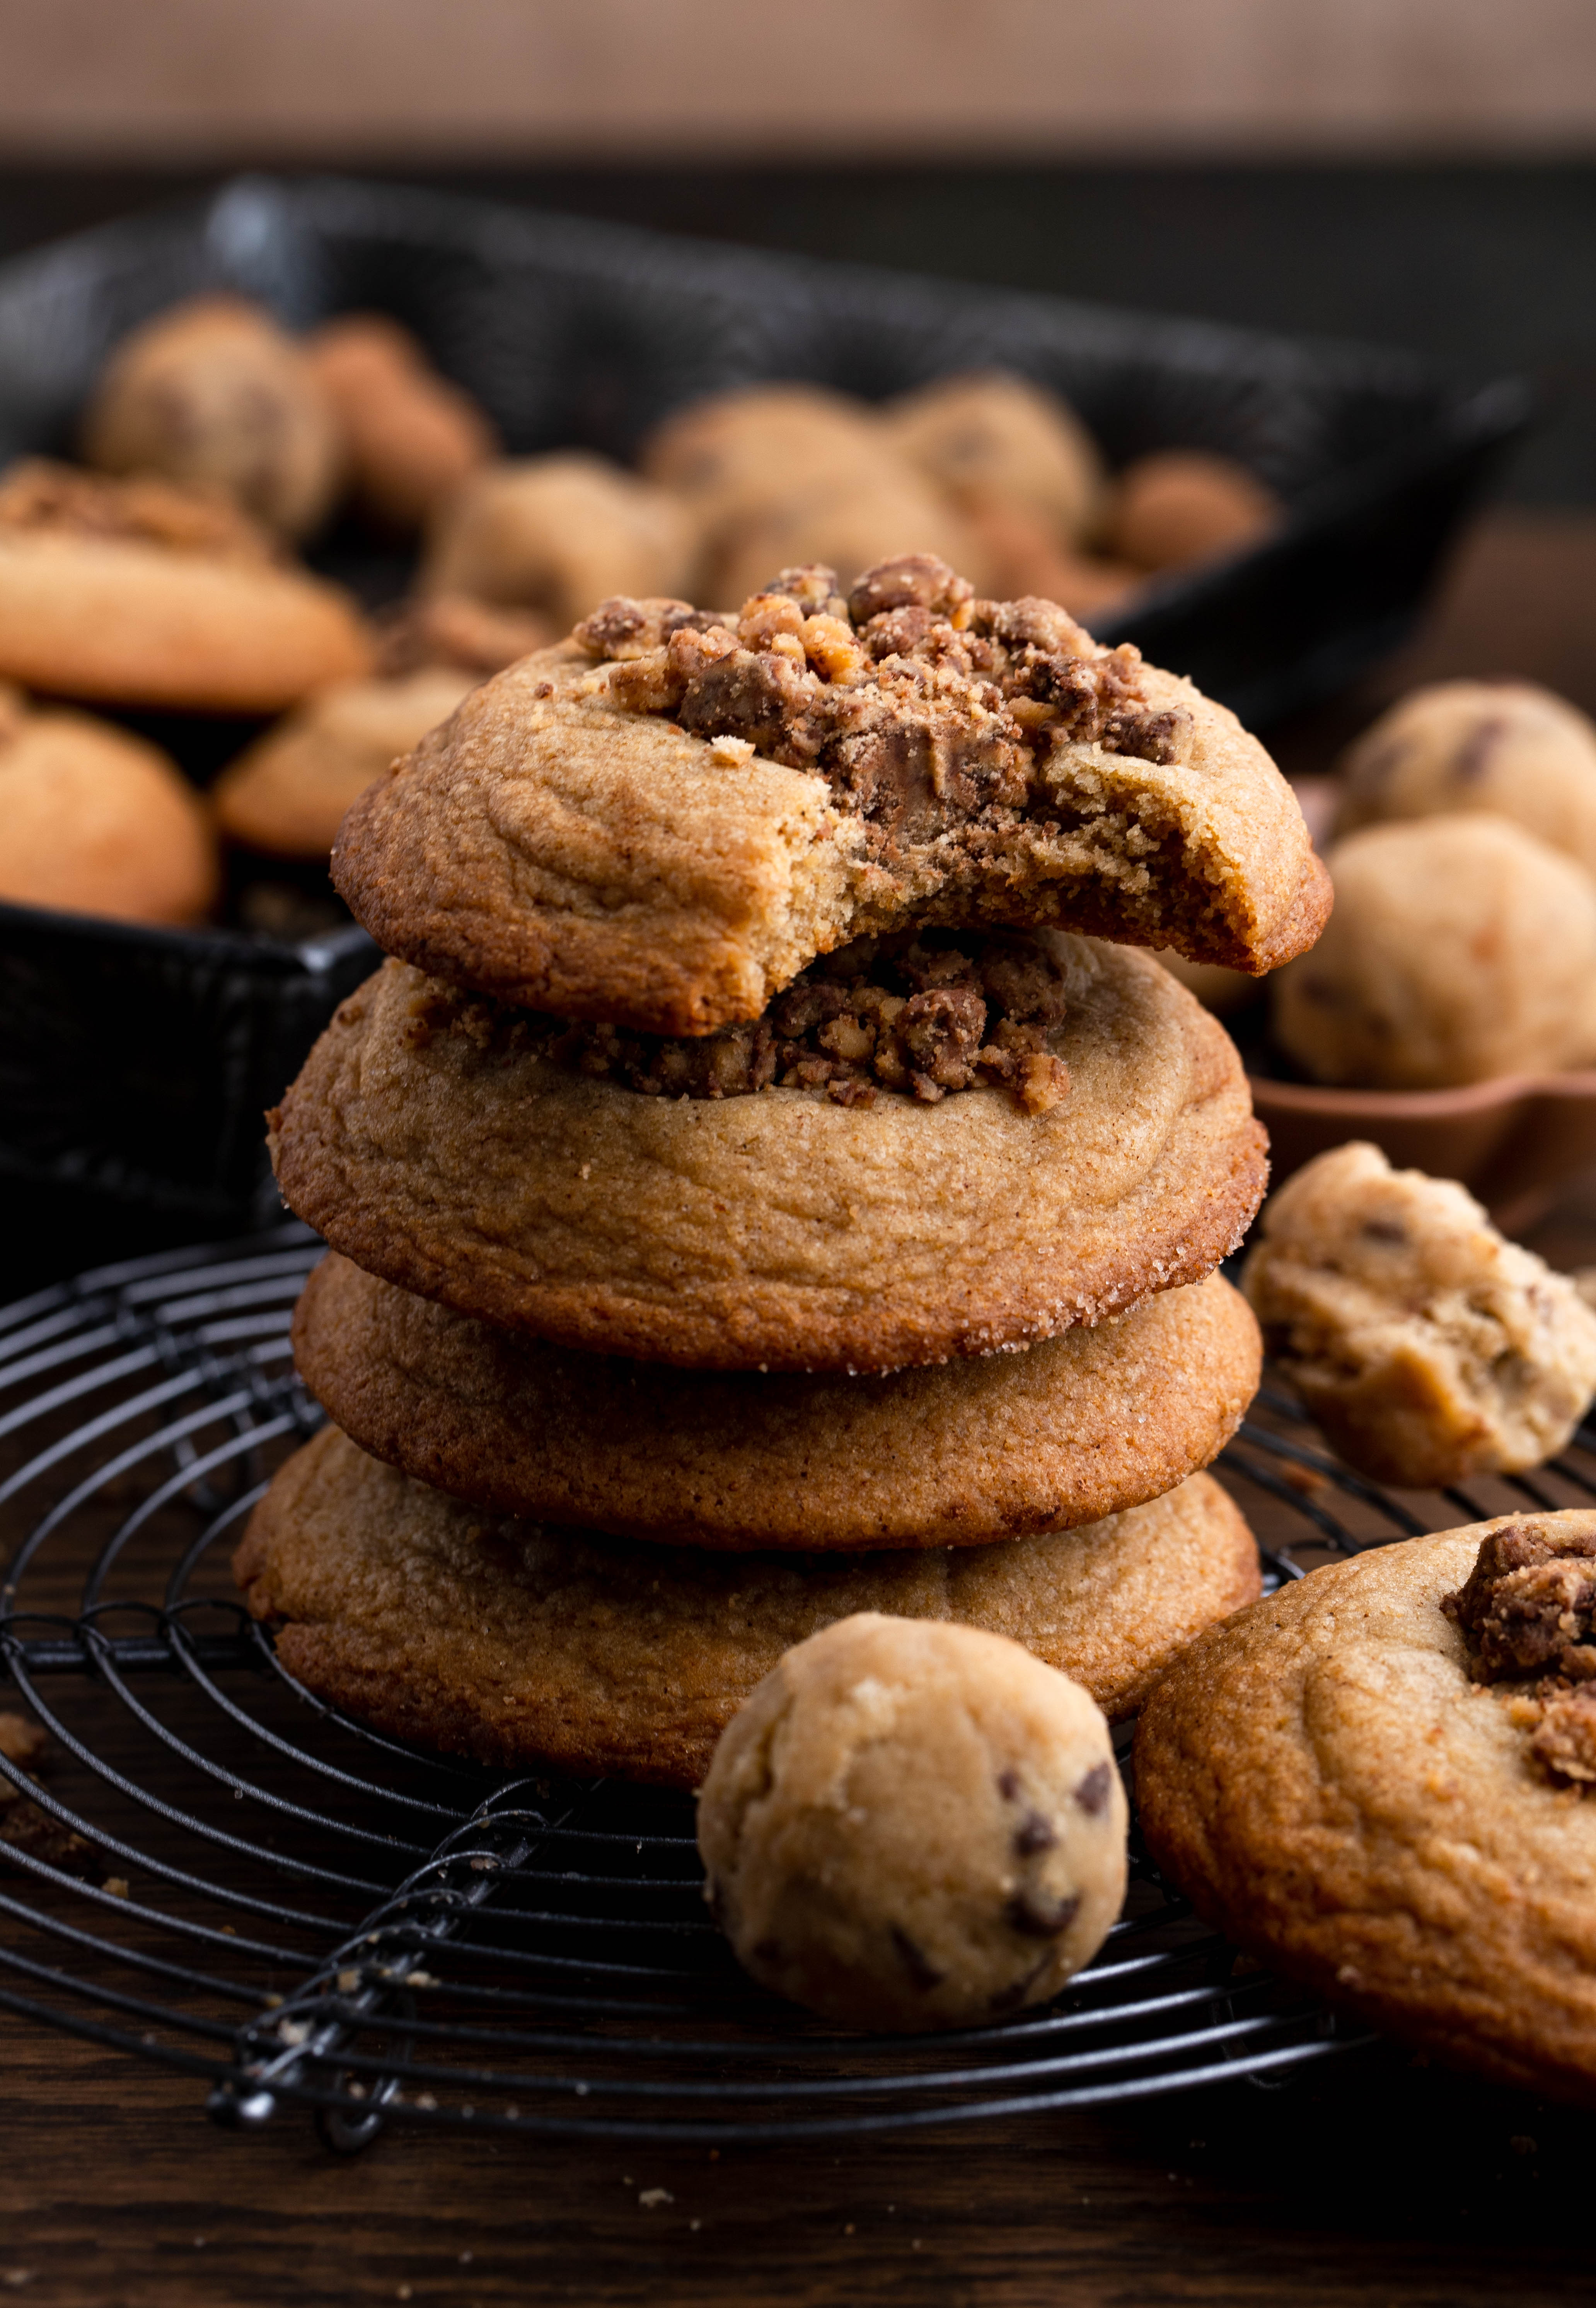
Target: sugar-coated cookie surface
1427 1346
430 1143
660 823
518 1644
1343 1783
909 1827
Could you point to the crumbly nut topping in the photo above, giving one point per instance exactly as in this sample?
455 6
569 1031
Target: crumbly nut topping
918 1015
40 495
1528 1612
922 706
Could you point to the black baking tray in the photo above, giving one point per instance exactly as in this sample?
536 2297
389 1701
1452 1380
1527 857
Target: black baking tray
135 1064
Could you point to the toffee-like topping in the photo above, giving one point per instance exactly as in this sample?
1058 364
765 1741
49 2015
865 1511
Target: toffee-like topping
921 706
921 1015
1528 1614
40 495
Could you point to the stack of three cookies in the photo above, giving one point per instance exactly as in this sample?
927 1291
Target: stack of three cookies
752 1199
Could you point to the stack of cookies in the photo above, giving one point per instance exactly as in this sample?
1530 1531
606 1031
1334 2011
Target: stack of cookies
768 1183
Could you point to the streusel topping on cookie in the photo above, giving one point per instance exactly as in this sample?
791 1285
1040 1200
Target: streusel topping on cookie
1528 1612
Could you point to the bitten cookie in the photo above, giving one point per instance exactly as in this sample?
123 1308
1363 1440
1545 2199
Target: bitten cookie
662 822
468 1153
910 1826
1375 1780
1426 1347
959 1454
96 821
1460 948
140 594
1462 746
519 1644
212 395
287 793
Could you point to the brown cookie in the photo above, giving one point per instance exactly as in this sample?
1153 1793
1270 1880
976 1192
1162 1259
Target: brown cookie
1180 506
136 593
662 822
410 437
519 1644
1360 1781
557 534
996 442
959 1454
439 1144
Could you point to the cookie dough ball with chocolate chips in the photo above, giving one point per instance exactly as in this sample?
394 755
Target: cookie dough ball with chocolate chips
1180 506
1506 746
994 441
911 1826
213 395
1459 949
411 438
1426 1347
558 535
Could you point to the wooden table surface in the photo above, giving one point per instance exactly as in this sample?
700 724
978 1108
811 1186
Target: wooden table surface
1372 2180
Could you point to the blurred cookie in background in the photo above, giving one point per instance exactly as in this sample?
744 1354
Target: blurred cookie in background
1180 506
98 821
213 394
1458 949
558 535
997 443
434 629
1509 747
410 436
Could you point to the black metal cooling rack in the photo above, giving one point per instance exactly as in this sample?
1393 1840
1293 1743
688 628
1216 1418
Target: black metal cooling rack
221 1873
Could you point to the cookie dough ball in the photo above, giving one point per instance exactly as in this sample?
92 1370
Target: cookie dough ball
995 440
1182 506
213 395
410 437
98 823
910 1826
1459 947
1426 1347
286 793
1506 746
558 535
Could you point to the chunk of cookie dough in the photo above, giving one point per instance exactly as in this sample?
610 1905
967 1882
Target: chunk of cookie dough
520 1644
909 1827
1427 1346
959 1454
137 593
1365 1781
448 1145
660 823
1459 747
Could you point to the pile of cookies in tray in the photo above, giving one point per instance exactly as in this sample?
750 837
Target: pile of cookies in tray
158 580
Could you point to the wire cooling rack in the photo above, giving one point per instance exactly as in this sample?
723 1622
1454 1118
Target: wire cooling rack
212 1869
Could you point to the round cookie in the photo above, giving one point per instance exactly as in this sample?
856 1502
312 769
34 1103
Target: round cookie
426 1140
557 534
662 822
520 1645
212 395
1180 506
955 1455
846 521
410 437
910 1826
287 793
730 453
1460 947
1428 1347
136 593
96 821
1507 746
993 440
1343 1782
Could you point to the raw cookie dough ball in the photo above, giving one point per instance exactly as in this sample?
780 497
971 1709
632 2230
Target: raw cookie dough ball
411 438
996 441
1459 949
560 535
98 821
912 1825
286 793
1468 745
1426 1347
213 395
1182 505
